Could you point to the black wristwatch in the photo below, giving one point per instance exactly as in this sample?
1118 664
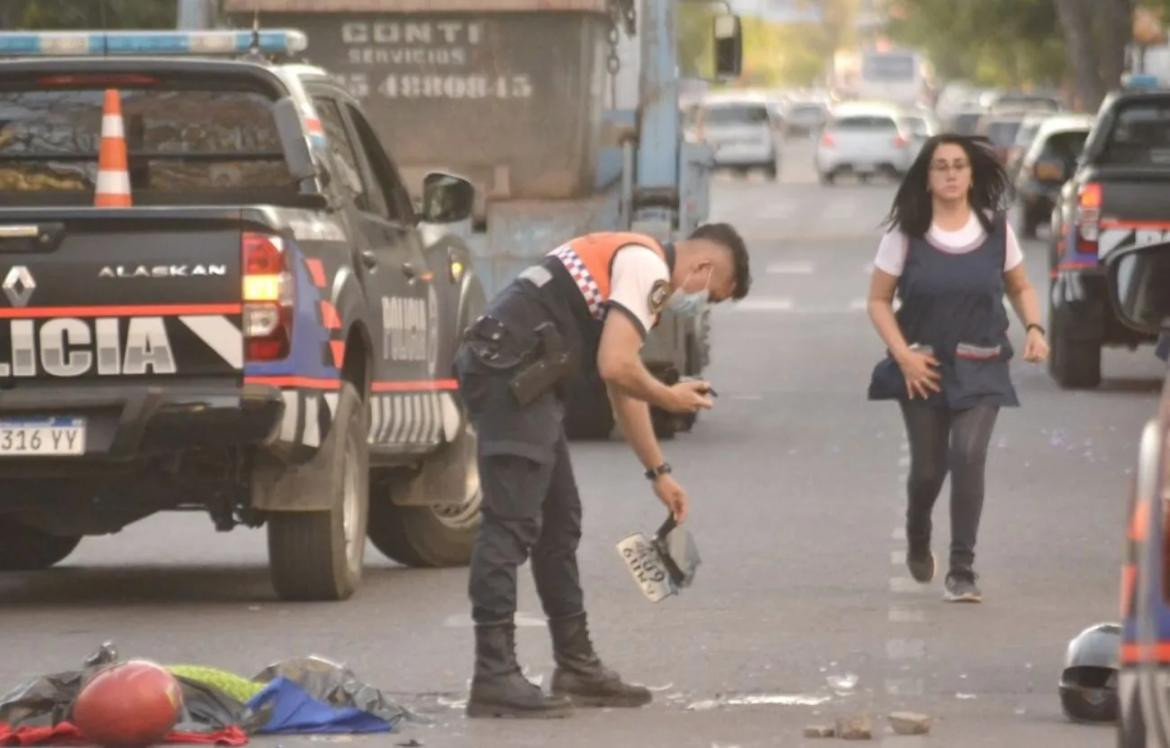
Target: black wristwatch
1038 326
654 473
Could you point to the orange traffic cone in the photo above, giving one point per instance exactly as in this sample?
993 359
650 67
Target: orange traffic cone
113 179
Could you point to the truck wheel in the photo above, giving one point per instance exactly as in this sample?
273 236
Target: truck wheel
25 548
1131 727
1074 364
318 555
666 424
439 535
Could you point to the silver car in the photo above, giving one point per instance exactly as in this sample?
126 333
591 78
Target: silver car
743 133
864 142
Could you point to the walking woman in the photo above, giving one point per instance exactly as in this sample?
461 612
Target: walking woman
950 256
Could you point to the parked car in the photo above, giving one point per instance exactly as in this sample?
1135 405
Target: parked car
1046 165
920 125
744 133
1119 197
805 117
864 140
1024 137
965 121
1138 281
1000 130
1015 101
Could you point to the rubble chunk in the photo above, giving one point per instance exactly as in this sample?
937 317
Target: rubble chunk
910 723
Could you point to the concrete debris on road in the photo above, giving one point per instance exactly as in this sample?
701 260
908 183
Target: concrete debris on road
819 731
856 727
910 723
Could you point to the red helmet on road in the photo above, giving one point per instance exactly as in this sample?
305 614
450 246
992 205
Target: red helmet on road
134 703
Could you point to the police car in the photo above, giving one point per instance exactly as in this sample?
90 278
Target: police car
1139 285
216 294
1118 198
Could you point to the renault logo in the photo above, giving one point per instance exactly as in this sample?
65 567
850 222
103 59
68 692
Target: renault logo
19 286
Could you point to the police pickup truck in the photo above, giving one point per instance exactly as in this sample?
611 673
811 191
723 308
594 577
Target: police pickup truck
1118 198
215 294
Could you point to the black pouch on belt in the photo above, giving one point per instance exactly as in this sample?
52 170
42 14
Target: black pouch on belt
492 344
552 365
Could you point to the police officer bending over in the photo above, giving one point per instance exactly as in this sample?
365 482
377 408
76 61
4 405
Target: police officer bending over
589 303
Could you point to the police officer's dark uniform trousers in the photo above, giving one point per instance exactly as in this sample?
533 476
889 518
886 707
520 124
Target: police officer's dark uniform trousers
513 383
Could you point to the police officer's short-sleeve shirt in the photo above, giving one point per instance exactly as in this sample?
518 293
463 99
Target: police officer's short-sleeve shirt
639 285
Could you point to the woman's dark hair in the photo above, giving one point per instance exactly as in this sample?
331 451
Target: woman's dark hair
912 210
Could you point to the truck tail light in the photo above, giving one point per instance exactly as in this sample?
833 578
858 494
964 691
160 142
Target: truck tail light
1089 201
828 141
900 141
268 297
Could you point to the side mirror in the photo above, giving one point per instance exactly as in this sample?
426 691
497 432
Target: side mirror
1139 287
1051 170
728 47
446 198
293 141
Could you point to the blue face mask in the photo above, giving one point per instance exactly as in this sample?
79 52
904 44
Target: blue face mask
690 304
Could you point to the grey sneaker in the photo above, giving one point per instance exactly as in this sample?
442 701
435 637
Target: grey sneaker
920 562
961 587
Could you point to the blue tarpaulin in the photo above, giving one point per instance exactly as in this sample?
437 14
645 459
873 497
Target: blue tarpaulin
295 711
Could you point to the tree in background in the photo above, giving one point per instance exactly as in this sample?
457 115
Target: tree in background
1096 33
87 14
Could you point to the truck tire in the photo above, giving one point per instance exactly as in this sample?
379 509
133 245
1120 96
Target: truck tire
1074 364
1131 727
432 536
318 555
25 548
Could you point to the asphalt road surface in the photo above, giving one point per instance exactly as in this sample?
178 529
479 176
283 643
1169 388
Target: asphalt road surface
802 610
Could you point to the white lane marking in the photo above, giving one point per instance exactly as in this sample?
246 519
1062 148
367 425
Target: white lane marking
904 585
791 268
765 304
838 211
463 620
904 461
331 401
906 615
897 558
899 533
905 649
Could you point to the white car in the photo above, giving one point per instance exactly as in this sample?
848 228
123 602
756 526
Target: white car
864 141
743 133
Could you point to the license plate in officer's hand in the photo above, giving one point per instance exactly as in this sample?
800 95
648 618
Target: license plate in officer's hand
42 437
646 567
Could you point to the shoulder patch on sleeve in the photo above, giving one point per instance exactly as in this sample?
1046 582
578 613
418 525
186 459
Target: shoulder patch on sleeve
659 293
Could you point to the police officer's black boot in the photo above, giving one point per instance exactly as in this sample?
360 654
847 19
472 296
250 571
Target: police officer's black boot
498 688
580 674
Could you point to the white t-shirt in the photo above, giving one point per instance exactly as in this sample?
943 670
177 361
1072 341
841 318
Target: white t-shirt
639 273
891 254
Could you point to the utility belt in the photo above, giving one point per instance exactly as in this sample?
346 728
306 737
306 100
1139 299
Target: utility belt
536 365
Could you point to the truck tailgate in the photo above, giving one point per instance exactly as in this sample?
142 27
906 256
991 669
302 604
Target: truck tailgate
148 295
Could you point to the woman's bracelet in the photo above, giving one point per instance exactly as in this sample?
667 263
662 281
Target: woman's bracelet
1030 325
